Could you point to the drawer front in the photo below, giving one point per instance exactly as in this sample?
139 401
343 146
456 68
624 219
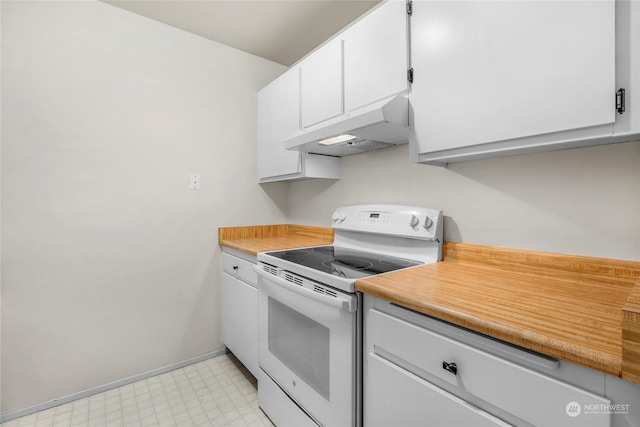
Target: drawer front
522 392
278 406
239 268
395 397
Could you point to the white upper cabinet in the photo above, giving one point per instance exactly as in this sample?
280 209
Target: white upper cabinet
376 56
321 84
628 67
367 62
279 117
505 77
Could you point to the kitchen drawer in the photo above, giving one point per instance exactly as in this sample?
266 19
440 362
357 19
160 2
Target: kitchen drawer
275 403
522 392
239 268
396 397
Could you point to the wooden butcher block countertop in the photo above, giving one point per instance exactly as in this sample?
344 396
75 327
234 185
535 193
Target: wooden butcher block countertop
262 238
578 309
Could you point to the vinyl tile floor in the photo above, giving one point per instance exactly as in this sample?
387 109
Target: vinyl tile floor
216 392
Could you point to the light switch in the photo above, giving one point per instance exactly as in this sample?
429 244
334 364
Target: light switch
194 181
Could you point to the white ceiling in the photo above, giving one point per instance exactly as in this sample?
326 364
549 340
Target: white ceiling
282 31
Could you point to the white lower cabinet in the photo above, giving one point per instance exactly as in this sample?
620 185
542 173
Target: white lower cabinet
398 397
420 371
626 397
240 309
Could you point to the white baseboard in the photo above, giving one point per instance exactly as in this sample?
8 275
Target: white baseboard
7 416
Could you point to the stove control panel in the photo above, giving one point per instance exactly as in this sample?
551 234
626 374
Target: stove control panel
374 217
394 220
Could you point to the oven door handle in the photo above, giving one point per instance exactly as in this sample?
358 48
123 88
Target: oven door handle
343 302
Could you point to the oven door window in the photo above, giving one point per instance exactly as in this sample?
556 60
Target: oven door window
302 344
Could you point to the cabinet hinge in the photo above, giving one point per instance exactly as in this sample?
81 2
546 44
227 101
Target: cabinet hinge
409 8
620 95
410 75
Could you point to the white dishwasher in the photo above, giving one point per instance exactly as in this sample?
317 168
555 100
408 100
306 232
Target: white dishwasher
240 307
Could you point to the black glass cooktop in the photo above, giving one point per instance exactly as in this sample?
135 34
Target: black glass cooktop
348 263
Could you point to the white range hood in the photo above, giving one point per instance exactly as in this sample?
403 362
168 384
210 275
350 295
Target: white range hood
378 125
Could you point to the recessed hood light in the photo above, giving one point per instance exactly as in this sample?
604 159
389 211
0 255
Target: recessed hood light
337 139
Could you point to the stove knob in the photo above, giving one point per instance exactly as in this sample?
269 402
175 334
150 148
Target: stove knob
335 217
342 216
413 221
428 222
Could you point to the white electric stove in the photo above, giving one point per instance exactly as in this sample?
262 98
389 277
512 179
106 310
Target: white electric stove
309 318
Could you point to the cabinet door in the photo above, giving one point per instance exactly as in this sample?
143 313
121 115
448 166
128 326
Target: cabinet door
278 118
489 71
628 66
375 56
395 397
321 83
240 320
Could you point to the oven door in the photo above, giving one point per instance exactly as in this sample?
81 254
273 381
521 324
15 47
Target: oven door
307 343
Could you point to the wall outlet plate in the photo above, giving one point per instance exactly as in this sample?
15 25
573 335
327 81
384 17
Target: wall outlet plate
194 181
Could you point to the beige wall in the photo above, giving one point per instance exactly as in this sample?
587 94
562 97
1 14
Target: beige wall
110 264
581 201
